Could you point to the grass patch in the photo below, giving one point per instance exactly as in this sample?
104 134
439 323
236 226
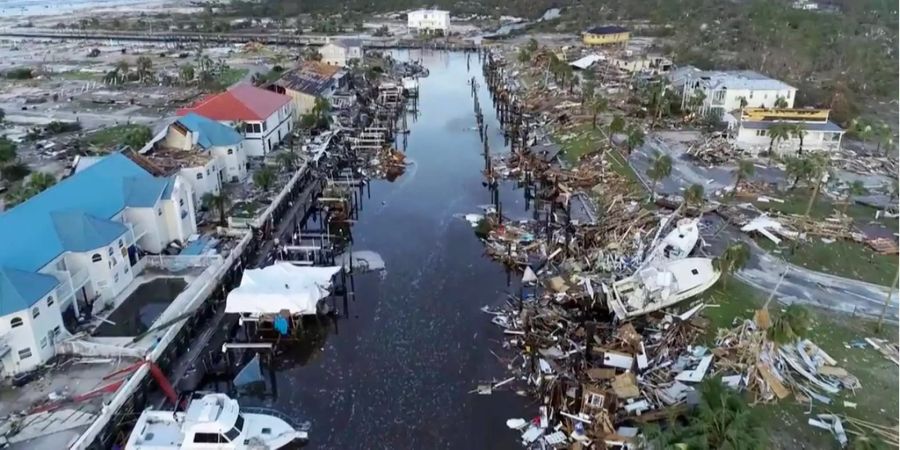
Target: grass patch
109 138
229 76
831 331
796 201
586 140
78 75
843 258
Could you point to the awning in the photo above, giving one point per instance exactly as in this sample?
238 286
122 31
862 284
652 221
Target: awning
281 286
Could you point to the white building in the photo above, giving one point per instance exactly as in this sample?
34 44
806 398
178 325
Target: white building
751 131
428 20
340 52
727 91
266 117
81 241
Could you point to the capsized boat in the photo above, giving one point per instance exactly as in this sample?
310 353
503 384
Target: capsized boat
213 421
660 286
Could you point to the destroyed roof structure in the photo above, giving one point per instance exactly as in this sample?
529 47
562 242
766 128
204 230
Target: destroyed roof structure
209 133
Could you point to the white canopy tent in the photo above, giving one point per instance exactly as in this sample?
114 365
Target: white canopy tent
281 286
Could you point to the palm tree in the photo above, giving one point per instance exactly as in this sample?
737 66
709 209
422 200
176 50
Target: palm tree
696 100
219 202
781 102
796 168
778 132
744 102
40 181
321 107
122 67
635 138
797 131
693 196
721 420
616 126
884 136
288 160
264 178
745 169
187 73
587 94
854 188
144 68
791 325
598 105
818 170
734 258
660 168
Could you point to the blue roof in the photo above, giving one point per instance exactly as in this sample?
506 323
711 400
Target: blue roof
29 236
19 289
211 133
80 232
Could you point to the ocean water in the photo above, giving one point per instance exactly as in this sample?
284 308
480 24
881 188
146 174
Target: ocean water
24 8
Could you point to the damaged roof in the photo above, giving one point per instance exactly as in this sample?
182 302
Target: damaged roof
211 133
242 102
311 77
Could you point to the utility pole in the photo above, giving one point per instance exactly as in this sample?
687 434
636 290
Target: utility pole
887 301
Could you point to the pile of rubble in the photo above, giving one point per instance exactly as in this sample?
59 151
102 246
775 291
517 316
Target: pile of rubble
715 150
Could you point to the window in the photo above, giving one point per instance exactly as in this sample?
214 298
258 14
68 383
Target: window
116 278
110 251
121 243
206 438
159 212
181 201
113 261
760 132
595 400
264 126
199 175
44 342
25 353
256 128
35 312
50 300
751 94
96 257
835 137
57 331
230 151
695 272
15 322
235 431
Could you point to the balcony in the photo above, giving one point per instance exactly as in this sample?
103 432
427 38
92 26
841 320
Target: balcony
69 283
138 230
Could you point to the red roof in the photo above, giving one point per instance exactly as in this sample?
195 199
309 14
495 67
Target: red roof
242 102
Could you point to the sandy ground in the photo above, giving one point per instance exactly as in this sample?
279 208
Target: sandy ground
45 13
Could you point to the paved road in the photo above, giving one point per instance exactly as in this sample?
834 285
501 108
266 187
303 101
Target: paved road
800 285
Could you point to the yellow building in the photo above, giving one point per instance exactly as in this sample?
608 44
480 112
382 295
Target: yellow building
610 34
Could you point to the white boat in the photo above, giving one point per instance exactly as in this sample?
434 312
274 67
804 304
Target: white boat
656 287
678 244
213 421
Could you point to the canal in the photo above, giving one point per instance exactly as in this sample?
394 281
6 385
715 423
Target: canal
397 372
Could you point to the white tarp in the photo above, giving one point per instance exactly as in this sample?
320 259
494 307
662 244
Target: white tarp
587 61
281 286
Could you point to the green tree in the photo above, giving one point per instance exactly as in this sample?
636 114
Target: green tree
796 130
264 178
635 138
721 421
660 168
7 150
818 170
598 105
524 56
321 107
854 188
734 258
14 171
587 94
616 126
41 181
122 67
144 68
137 137
883 134
186 73
693 196
532 45
790 325
2 115
219 202
796 168
777 132
781 102
745 169
288 160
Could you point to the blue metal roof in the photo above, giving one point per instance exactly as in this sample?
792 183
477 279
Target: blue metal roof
19 289
211 133
29 238
80 232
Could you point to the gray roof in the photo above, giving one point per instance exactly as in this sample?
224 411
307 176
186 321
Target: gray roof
829 126
348 42
727 79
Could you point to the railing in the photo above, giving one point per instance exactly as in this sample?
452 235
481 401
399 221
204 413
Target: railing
80 278
272 412
177 263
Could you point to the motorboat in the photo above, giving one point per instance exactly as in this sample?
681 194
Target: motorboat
660 286
213 421
678 243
